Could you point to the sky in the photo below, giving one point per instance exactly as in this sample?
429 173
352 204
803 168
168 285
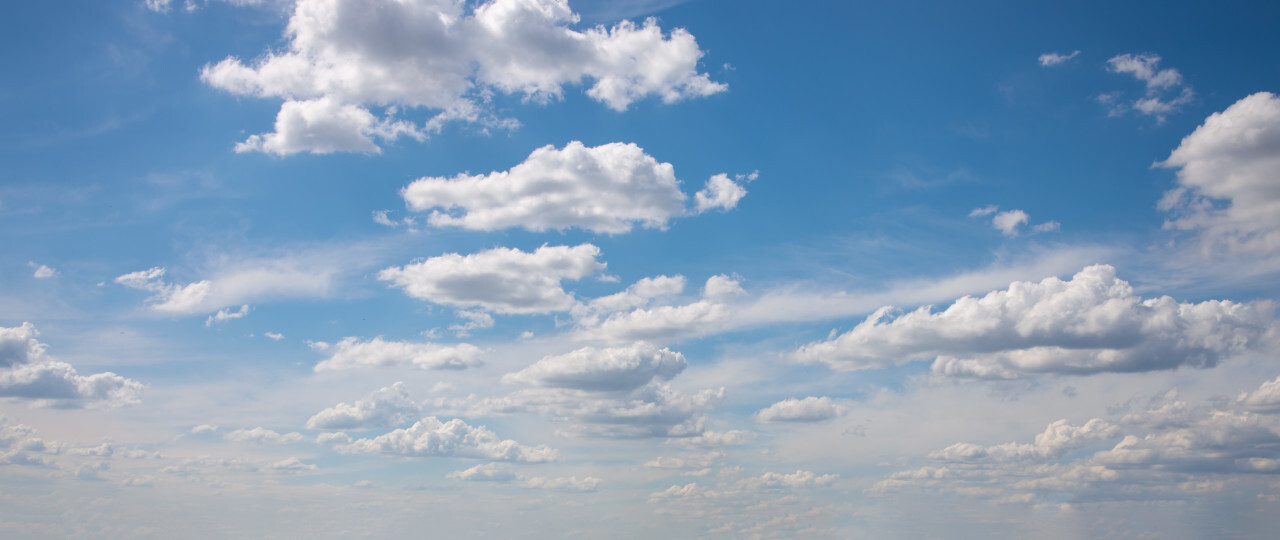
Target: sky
639 269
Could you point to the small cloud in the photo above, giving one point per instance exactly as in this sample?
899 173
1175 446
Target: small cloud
42 271
225 315
985 211
203 429
274 336
1008 222
1048 226
1054 59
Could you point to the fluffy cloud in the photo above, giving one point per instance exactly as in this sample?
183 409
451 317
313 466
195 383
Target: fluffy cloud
1009 222
1165 91
1053 59
810 409
351 353
42 271
608 188
1164 452
431 437
224 315
386 407
1227 171
260 435
26 372
662 322
612 369
502 279
501 473
345 56
1092 323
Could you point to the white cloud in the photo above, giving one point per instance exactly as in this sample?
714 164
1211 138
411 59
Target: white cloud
809 409
1227 170
260 435
247 280
324 126
204 429
503 280
609 188
431 437
501 473
475 320
386 407
274 336
1090 324
42 271
984 211
1054 59
350 353
611 369
1008 222
1172 450
720 193
292 464
1165 91
665 322
224 315
345 56
26 372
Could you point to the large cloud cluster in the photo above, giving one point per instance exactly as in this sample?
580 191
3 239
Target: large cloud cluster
346 56
1092 323
455 438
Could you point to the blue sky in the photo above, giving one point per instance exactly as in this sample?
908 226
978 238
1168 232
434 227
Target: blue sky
638 269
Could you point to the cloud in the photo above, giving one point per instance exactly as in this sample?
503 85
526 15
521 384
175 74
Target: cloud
720 193
274 336
810 409
26 372
504 280
1171 450
1227 170
664 322
345 56
611 369
351 353
42 271
247 280
475 320
324 126
224 315
1165 91
387 407
429 437
500 473
609 188
1007 222
1090 324
260 435
1054 59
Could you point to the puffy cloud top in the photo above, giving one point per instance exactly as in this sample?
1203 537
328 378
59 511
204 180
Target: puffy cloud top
1227 179
611 369
346 55
26 372
1092 323
431 437
502 279
384 408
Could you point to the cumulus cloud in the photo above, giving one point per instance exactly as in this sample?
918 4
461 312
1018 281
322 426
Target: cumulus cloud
1054 59
501 473
1165 91
504 280
810 409
430 437
1163 452
662 322
26 372
1227 171
346 56
387 407
611 369
475 320
260 435
609 188
1090 324
350 353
